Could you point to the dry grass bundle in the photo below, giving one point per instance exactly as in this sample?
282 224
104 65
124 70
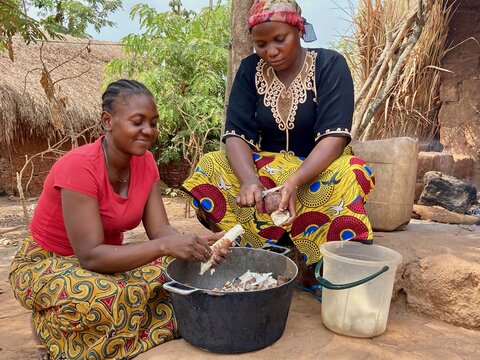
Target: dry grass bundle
52 89
399 45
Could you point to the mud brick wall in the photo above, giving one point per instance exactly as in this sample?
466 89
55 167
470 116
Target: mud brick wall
12 159
459 115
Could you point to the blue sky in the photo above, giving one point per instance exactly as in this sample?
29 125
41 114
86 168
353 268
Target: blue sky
330 18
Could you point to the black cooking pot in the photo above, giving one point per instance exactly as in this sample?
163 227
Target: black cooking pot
231 322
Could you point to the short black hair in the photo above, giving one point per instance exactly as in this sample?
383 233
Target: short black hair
120 88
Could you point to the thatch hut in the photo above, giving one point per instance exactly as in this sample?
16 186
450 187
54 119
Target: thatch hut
50 90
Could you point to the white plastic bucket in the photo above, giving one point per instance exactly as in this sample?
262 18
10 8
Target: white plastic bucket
353 309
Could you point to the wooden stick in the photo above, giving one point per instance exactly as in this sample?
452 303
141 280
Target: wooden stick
378 101
5 231
359 118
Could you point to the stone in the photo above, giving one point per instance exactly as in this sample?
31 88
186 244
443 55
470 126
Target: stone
465 66
448 192
448 92
425 162
470 88
462 139
463 166
460 166
446 287
443 163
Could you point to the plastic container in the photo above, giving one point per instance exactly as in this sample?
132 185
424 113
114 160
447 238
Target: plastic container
394 165
357 310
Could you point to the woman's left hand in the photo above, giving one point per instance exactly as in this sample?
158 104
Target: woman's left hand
289 201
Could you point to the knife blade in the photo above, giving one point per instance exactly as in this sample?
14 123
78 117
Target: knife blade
276 188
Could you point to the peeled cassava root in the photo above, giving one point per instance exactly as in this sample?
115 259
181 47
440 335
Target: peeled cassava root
279 217
224 243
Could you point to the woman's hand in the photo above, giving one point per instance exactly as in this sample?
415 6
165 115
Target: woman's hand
250 194
189 246
289 201
222 254
324 153
239 155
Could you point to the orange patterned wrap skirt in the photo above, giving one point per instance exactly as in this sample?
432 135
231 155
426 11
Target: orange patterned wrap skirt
80 314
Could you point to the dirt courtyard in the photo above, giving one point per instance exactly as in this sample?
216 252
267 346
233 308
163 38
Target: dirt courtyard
16 341
409 336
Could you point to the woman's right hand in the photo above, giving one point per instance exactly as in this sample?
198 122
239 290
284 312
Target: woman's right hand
239 155
186 247
250 194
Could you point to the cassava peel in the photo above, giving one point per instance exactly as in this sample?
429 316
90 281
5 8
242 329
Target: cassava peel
222 244
272 202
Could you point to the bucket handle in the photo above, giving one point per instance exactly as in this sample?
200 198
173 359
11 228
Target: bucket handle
282 250
172 287
327 284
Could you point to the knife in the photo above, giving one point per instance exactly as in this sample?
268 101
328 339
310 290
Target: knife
276 188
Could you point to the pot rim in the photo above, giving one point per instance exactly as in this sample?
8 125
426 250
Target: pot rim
225 293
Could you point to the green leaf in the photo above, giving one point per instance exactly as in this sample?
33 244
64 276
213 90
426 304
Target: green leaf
181 57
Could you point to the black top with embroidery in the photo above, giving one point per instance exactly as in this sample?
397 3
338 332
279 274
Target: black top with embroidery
269 117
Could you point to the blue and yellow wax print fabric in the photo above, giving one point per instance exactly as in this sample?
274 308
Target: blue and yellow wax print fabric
331 207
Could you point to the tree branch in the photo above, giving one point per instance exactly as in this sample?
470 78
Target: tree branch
378 76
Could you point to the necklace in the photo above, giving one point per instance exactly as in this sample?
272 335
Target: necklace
104 148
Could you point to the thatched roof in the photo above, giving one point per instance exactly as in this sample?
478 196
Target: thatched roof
28 106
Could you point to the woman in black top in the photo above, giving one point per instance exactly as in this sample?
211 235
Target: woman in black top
288 123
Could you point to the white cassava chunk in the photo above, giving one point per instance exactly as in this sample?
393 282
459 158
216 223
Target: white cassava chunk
224 243
279 217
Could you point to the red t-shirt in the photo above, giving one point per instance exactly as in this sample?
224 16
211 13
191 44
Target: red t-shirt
83 169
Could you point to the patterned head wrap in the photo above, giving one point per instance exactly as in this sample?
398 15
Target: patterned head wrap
287 11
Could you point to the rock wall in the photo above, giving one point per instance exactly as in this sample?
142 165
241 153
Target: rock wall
459 115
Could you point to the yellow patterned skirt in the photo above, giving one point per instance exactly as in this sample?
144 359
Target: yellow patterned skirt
79 314
330 208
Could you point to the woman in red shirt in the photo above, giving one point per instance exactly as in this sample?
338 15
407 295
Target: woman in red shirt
91 296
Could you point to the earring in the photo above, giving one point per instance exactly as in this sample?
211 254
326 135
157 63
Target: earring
106 117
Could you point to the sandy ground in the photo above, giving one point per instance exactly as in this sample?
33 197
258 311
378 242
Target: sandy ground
408 336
